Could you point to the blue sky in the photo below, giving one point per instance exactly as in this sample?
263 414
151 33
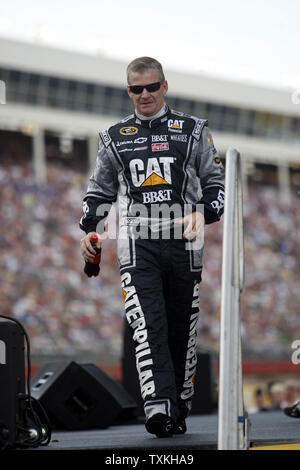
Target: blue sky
250 40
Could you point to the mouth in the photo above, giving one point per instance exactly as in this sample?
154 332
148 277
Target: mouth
147 103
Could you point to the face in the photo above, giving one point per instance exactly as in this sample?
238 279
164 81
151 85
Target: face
147 103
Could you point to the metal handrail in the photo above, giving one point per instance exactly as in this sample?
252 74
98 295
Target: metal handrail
232 419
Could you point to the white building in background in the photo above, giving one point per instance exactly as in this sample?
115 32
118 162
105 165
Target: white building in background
74 95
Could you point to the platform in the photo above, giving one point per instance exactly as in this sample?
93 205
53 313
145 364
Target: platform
267 429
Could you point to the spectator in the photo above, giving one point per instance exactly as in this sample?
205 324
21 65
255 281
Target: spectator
277 395
259 399
291 393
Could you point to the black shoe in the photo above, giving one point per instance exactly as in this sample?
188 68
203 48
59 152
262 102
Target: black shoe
161 425
293 411
179 426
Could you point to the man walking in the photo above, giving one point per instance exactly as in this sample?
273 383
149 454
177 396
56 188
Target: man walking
162 166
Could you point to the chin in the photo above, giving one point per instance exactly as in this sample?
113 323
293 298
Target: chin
147 110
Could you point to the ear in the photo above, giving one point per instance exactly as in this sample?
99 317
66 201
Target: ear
165 87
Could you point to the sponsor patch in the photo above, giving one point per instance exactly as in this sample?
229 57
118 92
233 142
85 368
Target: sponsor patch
179 137
157 196
218 204
105 138
198 128
128 130
159 138
141 148
156 170
159 147
140 140
123 142
131 220
175 125
219 162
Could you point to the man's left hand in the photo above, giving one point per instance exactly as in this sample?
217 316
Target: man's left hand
194 225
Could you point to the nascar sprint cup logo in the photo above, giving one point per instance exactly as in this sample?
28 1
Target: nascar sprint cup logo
128 130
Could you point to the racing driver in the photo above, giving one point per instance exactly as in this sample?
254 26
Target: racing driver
163 169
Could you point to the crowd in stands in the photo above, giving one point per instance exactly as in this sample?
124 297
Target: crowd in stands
43 285
275 395
271 296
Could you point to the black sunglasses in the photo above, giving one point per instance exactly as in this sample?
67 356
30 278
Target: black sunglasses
138 89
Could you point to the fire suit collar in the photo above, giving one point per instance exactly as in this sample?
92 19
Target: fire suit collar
150 123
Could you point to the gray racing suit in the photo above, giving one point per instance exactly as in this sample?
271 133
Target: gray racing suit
158 170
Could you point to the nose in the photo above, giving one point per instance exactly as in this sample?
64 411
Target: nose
145 93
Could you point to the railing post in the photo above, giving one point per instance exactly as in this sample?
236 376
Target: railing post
231 420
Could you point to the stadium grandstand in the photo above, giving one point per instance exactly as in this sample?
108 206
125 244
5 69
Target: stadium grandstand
56 103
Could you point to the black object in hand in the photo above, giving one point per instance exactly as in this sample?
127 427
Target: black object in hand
93 269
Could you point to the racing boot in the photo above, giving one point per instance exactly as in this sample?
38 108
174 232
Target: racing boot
161 425
179 426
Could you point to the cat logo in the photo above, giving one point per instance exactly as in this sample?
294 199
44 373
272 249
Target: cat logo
154 172
128 130
154 180
175 125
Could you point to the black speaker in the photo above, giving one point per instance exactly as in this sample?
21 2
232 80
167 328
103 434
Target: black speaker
81 396
12 380
204 400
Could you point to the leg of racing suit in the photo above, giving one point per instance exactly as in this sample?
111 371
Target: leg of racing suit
161 303
182 300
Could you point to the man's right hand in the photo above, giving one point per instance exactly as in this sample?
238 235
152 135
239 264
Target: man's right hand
87 251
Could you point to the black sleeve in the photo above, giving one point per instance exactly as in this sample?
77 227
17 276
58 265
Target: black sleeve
211 174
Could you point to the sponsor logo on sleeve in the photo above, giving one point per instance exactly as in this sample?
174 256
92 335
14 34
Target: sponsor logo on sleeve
106 138
198 128
219 163
218 204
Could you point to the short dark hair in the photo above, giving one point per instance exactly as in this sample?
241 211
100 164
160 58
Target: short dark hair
142 64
